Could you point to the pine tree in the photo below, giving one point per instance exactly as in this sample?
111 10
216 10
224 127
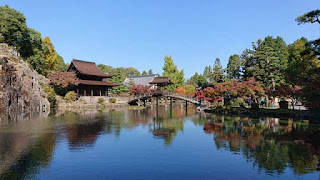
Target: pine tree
218 72
144 73
150 72
170 70
207 72
247 64
270 58
233 67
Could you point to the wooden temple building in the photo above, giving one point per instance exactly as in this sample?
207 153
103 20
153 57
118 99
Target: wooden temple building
161 82
92 82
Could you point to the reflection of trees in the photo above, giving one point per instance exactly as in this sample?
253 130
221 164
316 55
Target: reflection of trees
167 129
270 144
168 121
164 121
35 158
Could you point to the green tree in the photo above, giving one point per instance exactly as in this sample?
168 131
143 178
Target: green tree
14 30
130 71
62 67
198 80
150 72
170 70
218 72
207 72
247 63
131 82
233 67
302 61
144 73
106 68
309 63
309 17
270 61
119 77
38 52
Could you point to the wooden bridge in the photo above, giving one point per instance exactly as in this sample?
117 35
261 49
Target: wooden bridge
172 96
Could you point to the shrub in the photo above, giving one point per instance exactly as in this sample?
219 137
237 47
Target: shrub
70 96
220 106
51 95
103 104
189 90
100 100
255 106
180 90
112 100
237 102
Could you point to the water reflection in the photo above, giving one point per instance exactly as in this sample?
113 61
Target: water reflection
271 145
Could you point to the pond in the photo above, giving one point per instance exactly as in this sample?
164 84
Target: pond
158 143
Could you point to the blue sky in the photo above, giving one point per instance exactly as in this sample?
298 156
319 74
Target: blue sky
139 33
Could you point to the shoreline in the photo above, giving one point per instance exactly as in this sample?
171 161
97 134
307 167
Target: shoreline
285 113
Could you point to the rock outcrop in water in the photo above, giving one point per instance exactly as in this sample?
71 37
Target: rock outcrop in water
20 87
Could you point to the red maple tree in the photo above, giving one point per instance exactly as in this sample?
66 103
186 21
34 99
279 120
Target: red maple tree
63 79
138 90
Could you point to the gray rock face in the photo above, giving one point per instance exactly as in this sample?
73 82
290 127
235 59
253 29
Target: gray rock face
20 87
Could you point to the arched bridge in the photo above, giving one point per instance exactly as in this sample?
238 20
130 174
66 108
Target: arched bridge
173 96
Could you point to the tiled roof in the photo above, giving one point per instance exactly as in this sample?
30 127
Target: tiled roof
97 83
161 80
140 80
88 68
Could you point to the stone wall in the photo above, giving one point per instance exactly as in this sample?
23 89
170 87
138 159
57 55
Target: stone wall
20 87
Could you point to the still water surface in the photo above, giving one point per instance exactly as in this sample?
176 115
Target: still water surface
158 143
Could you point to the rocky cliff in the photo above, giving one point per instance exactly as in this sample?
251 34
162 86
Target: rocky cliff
20 87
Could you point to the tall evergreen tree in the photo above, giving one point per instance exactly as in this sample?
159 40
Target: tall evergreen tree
218 72
302 61
198 80
144 73
233 67
247 64
150 72
207 72
270 58
170 70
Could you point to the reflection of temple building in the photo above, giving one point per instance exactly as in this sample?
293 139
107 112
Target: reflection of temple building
84 135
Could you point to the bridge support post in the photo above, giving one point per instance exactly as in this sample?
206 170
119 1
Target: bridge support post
144 103
157 101
139 102
170 101
186 107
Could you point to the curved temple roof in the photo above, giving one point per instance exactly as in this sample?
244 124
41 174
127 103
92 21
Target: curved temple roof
88 68
161 80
